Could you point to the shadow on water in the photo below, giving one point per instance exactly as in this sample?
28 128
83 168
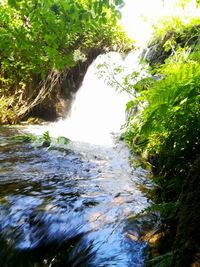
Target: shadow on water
61 208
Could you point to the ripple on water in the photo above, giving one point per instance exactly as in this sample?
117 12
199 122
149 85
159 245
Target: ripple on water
65 208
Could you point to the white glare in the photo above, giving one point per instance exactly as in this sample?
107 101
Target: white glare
97 111
138 16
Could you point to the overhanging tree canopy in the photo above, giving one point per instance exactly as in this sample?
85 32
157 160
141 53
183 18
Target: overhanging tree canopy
39 36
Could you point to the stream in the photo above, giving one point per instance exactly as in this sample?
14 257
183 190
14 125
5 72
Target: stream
60 207
70 205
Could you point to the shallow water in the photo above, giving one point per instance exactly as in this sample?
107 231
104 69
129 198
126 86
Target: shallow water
68 206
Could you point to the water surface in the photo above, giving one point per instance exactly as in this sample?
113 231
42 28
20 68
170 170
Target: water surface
69 206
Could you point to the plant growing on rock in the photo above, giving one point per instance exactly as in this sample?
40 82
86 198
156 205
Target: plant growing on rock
39 41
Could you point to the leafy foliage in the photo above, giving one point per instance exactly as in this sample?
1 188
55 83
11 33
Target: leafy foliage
46 137
7 113
22 138
45 140
173 30
165 124
37 37
171 112
161 261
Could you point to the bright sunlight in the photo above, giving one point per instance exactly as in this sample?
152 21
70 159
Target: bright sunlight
139 16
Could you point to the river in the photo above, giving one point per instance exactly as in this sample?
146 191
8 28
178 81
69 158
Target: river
69 205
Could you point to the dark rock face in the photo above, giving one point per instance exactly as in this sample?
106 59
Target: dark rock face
187 241
58 102
156 53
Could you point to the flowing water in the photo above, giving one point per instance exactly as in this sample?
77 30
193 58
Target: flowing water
69 205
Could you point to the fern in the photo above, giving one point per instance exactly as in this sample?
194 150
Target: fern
161 260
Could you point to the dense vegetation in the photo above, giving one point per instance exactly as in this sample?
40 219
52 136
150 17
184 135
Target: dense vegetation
165 128
41 41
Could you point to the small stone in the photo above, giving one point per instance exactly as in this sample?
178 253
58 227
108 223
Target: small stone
46 143
117 195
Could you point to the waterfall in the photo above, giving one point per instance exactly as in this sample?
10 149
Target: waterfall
98 109
73 203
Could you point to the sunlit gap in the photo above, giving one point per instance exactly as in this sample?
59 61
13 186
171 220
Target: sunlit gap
139 16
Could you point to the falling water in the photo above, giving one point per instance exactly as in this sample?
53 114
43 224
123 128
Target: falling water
98 109
70 205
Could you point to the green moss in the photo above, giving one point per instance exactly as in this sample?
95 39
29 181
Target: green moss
187 242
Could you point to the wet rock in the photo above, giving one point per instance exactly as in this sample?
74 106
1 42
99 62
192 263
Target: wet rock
90 203
144 226
117 194
46 143
59 99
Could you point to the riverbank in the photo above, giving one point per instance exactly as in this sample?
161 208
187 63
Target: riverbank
165 129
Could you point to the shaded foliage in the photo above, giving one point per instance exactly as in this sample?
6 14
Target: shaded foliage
44 40
165 128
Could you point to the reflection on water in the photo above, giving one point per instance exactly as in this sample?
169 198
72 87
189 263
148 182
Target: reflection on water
68 207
